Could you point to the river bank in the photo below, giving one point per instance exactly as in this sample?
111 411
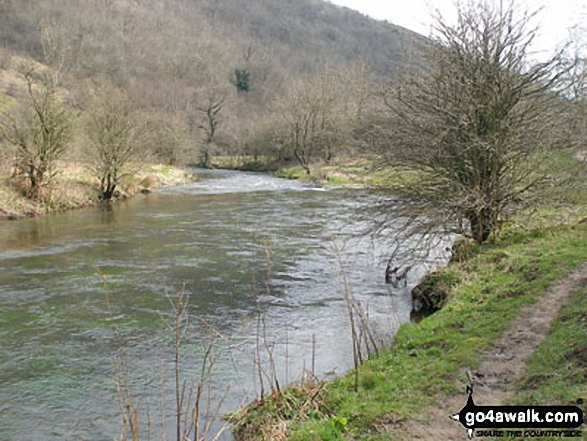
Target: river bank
429 364
76 187
56 333
431 361
340 172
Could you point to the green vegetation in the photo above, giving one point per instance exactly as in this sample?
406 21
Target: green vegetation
364 172
480 142
262 418
207 78
427 358
76 187
115 139
478 122
555 373
243 79
39 134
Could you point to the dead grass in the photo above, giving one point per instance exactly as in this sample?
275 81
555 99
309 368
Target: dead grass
76 187
269 418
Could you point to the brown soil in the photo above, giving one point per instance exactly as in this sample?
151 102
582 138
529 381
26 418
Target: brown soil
503 364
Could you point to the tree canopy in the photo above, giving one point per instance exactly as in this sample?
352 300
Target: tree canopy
480 120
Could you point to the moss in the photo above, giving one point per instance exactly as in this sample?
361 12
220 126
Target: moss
434 289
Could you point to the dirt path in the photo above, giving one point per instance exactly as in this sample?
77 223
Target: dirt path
503 364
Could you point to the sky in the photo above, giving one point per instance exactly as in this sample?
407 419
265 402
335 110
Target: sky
554 20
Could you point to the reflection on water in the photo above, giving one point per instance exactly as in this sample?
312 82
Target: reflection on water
56 333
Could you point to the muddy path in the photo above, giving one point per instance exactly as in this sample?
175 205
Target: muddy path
503 364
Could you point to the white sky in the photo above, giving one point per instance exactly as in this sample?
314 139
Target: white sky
554 20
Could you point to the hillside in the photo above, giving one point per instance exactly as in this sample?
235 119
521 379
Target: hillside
199 78
171 56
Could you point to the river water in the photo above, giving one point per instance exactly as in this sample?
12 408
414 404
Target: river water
58 333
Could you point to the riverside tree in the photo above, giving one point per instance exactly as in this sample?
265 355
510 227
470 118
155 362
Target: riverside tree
115 140
40 132
479 121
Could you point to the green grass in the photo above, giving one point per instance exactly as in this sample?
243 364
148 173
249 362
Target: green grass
291 172
352 172
245 163
563 201
161 169
556 374
427 359
76 187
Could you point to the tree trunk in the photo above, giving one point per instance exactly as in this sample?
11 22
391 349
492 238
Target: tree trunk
107 187
482 223
302 160
328 155
206 160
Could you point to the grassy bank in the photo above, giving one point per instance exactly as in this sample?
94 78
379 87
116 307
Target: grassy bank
347 172
76 187
557 371
341 172
433 357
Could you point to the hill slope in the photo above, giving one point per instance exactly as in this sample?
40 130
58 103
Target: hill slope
163 51
202 77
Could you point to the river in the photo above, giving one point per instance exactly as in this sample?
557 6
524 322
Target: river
58 335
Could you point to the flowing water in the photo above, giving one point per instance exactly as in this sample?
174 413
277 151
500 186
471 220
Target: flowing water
58 332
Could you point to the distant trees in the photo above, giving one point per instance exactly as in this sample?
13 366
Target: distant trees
479 121
575 81
318 116
115 138
166 139
307 123
39 132
162 53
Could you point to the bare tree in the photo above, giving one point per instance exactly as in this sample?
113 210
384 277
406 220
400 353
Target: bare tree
318 116
211 111
54 51
115 138
40 133
575 82
479 121
166 139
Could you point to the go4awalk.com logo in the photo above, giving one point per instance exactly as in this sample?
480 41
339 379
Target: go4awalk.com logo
520 421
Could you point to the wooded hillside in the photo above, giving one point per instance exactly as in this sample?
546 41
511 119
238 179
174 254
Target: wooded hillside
175 59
